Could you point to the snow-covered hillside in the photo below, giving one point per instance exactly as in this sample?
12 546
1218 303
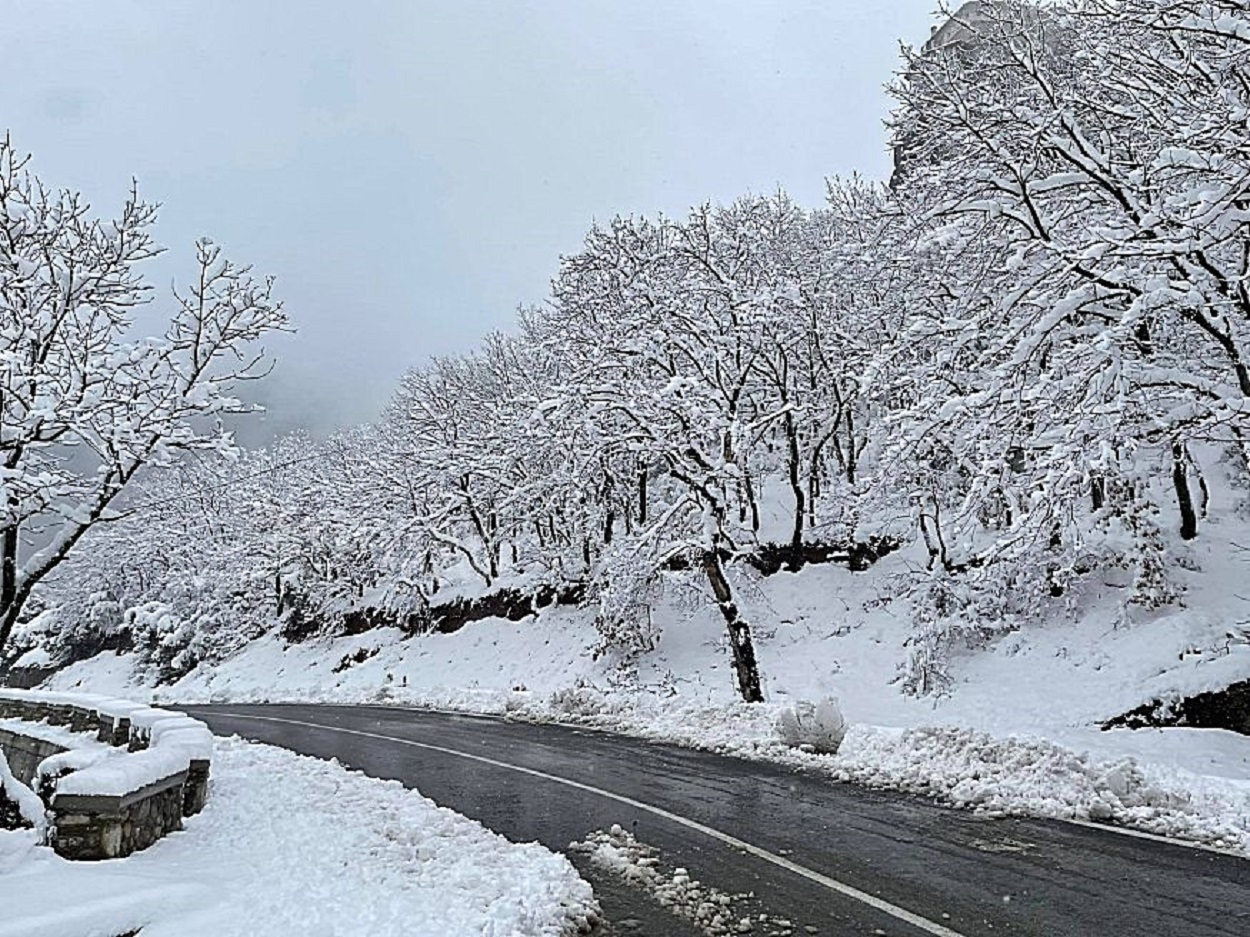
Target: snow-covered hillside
1019 730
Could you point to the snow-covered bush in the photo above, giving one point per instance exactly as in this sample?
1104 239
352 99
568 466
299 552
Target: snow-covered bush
816 727
194 620
85 625
164 640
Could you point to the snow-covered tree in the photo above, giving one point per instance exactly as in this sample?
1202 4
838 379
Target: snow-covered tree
1079 172
83 406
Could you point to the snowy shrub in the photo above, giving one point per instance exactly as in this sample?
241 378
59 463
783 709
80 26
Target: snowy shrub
38 631
87 624
194 620
625 591
578 702
164 640
815 727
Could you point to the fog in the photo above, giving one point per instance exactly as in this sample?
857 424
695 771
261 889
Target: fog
412 171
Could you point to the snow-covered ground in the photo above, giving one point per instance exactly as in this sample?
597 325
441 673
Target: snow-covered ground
1018 732
293 845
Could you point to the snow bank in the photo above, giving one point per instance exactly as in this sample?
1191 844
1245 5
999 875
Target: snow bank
293 845
1036 777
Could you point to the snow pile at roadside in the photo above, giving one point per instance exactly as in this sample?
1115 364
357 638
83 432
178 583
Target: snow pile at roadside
962 767
293 845
714 912
1036 777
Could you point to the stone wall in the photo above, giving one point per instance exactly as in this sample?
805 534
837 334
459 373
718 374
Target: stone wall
25 678
74 718
89 826
110 827
24 754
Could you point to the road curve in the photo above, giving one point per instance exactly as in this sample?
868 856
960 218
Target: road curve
814 857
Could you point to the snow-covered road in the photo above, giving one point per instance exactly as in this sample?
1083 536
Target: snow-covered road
723 842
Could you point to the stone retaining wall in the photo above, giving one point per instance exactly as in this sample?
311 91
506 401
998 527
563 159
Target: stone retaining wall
25 678
85 825
25 753
108 827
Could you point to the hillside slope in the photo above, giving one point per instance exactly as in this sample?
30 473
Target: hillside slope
1017 731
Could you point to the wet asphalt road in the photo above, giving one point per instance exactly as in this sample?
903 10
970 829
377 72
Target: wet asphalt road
957 873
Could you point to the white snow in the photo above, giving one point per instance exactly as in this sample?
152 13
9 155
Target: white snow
125 773
712 911
291 845
35 657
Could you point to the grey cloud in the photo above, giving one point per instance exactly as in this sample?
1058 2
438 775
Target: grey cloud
411 171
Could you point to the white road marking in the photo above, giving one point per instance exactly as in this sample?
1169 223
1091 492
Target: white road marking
1154 837
849 891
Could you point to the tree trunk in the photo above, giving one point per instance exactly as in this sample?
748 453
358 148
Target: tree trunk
1097 492
745 666
795 474
1184 498
9 608
852 454
642 496
749 489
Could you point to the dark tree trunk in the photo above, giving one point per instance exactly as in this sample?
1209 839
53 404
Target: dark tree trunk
746 668
852 455
800 499
1184 498
642 496
9 607
813 495
749 489
1097 491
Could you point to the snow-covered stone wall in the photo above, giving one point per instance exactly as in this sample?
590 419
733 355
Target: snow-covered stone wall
25 753
114 776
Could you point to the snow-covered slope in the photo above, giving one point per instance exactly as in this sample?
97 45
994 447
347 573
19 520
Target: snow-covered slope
1018 731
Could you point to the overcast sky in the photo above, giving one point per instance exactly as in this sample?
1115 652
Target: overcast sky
412 171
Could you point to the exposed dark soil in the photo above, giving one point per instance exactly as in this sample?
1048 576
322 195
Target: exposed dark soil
514 604
1223 709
